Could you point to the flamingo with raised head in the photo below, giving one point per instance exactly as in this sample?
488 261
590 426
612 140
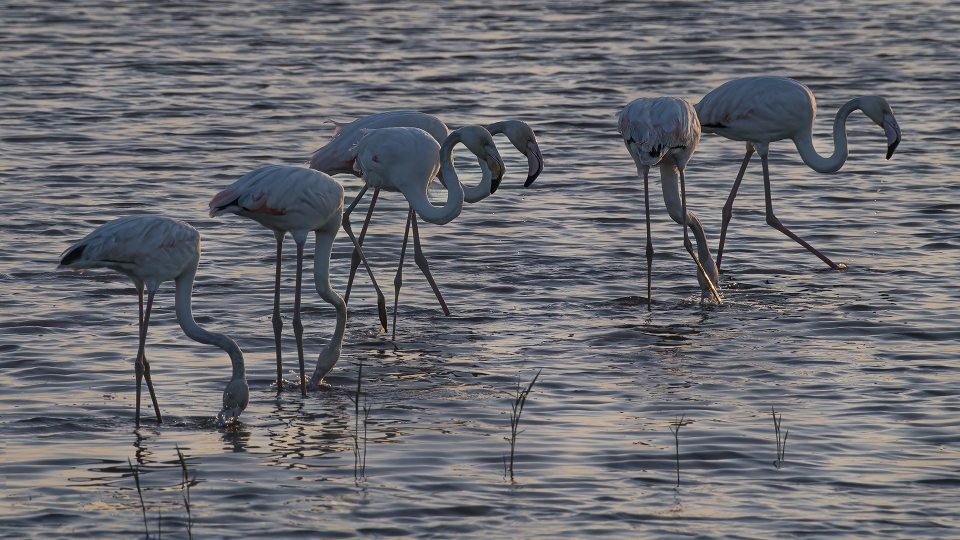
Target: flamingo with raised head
150 250
762 110
337 156
664 131
297 200
406 159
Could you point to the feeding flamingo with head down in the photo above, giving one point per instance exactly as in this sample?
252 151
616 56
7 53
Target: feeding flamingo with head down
762 110
151 250
296 200
664 131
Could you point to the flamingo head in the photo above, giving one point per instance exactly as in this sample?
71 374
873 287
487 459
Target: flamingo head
479 141
236 396
523 139
647 155
877 109
329 357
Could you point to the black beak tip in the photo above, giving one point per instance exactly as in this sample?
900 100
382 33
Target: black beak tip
892 148
494 184
530 180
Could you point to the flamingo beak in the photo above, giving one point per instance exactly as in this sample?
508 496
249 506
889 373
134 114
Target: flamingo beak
495 163
316 379
534 161
892 130
225 415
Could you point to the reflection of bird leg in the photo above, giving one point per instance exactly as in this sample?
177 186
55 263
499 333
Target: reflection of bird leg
728 207
381 302
277 323
775 223
297 325
355 258
398 281
422 263
646 205
686 240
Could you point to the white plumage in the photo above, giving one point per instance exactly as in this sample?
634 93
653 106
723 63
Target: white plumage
762 110
295 200
151 250
337 156
406 159
664 131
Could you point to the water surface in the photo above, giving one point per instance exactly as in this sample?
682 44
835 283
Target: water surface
115 109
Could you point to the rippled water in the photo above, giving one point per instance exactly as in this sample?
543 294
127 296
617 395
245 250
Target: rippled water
123 108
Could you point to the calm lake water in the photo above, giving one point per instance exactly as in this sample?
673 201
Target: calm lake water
110 109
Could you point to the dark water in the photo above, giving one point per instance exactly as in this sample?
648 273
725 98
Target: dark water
123 108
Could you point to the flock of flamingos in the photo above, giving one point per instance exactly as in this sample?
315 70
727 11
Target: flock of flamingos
403 151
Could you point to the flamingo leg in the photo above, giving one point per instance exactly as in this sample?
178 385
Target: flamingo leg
381 302
355 257
424 267
398 281
775 223
297 325
277 323
646 205
728 207
686 239
146 365
141 360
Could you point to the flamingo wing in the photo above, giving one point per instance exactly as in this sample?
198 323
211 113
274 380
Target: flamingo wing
657 124
336 156
307 198
760 109
150 246
398 158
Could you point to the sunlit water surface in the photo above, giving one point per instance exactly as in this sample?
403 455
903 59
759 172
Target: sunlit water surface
125 108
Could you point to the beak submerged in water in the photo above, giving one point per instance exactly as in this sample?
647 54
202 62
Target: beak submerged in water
892 130
535 162
227 414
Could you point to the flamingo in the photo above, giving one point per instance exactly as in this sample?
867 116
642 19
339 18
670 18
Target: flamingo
150 250
296 200
406 159
761 110
337 157
664 131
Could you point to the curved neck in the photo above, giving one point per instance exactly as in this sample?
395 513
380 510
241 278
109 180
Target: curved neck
454 204
481 191
190 327
670 184
497 127
840 152
330 354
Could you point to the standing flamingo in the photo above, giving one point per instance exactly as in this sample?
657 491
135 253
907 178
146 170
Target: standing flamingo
664 131
150 250
296 200
406 159
338 156
761 110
